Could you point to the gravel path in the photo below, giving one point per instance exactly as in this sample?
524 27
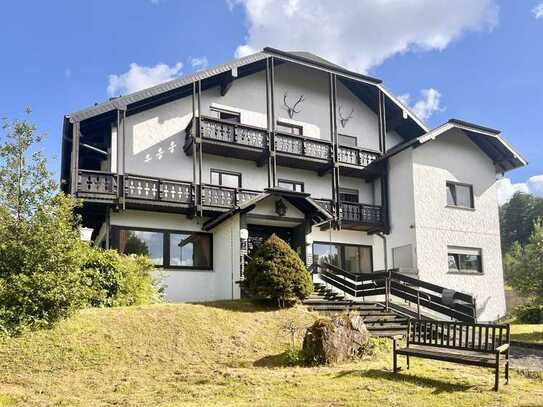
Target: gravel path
526 358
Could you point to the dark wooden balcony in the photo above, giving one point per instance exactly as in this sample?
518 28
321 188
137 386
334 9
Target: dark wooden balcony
144 191
354 160
215 197
302 152
326 204
141 192
225 138
361 216
96 185
356 216
220 137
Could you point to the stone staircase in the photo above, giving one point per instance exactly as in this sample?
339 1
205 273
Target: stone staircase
379 321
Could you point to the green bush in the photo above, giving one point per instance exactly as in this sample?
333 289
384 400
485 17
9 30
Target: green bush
530 313
40 278
117 280
277 272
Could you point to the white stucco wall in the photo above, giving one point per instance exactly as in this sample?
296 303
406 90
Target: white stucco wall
194 285
402 205
453 157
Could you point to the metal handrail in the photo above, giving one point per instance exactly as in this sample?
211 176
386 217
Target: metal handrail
378 283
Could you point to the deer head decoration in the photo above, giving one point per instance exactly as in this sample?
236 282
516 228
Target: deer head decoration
344 119
292 110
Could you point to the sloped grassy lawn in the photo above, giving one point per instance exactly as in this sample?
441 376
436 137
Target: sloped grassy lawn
527 333
226 354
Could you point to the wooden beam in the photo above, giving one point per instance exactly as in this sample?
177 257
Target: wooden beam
228 79
74 162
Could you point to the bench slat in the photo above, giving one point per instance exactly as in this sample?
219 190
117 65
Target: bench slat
473 360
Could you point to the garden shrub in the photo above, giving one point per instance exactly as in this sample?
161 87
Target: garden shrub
40 278
530 313
277 272
116 280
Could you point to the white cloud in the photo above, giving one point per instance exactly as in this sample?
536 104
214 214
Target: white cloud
199 63
506 189
538 11
141 77
429 103
361 34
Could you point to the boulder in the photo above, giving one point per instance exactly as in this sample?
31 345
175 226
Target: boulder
340 339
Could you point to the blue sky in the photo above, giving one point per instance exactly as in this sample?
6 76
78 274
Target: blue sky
478 60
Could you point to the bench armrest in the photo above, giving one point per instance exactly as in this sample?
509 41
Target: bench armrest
502 348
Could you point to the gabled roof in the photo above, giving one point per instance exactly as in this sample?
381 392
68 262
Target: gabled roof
490 141
298 57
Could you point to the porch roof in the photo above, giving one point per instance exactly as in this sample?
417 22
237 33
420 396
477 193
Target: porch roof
301 201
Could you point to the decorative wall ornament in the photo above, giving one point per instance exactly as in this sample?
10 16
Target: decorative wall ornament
344 119
292 110
280 207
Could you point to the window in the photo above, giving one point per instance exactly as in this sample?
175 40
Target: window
348 195
190 250
226 178
289 128
142 242
227 116
464 260
170 249
349 141
353 258
295 186
460 195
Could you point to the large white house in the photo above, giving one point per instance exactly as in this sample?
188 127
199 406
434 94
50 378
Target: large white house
196 171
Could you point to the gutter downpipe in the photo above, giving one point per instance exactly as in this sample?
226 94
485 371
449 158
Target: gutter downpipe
387 279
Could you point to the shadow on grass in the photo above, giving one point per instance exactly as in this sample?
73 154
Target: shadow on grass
279 360
439 386
242 305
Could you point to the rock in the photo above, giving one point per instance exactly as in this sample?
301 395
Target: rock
330 341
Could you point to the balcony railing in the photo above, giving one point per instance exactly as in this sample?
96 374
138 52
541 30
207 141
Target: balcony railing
316 151
157 189
302 146
356 156
361 213
225 197
233 133
326 204
352 212
99 184
96 182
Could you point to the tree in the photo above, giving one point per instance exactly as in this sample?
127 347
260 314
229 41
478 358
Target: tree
517 219
526 265
277 272
40 248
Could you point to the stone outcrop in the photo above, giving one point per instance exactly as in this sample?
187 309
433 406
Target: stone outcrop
340 339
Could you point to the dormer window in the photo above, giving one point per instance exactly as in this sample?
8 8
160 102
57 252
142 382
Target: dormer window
289 128
227 115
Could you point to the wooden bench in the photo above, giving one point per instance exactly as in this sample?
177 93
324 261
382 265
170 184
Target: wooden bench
464 343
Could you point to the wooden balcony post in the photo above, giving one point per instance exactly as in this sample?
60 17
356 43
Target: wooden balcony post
272 161
74 163
200 144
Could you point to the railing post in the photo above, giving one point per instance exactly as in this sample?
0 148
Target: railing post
418 304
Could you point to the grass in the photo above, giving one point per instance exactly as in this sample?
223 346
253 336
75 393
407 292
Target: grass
527 333
224 354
